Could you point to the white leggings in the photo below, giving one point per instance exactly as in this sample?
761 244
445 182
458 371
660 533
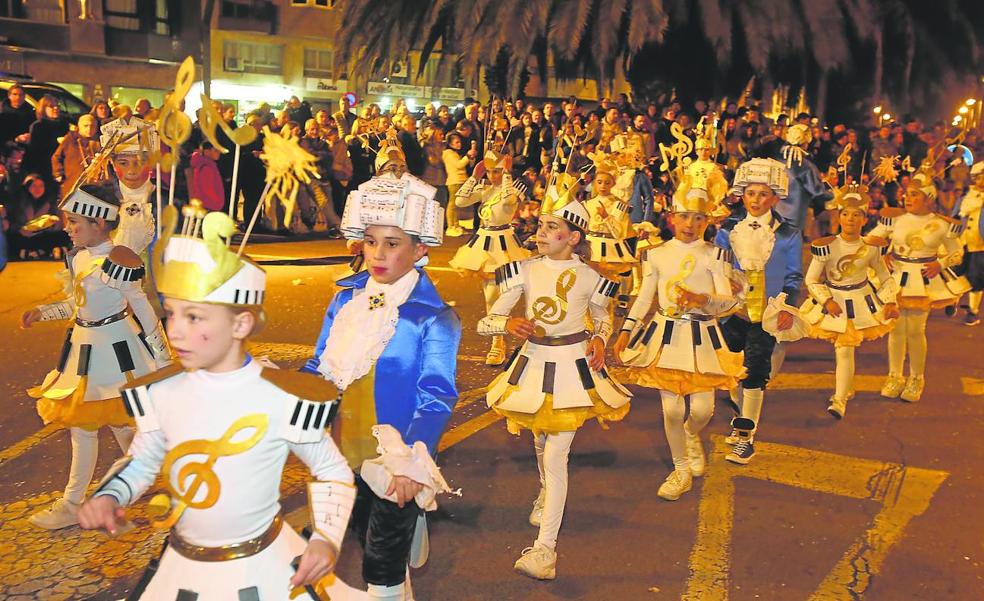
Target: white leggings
85 451
552 451
909 334
674 410
843 371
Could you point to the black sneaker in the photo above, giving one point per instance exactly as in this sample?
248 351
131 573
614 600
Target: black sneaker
950 310
971 319
742 452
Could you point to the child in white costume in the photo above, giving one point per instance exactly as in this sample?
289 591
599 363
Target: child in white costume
557 379
923 247
132 144
219 427
845 306
495 243
681 351
104 348
970 210
608 228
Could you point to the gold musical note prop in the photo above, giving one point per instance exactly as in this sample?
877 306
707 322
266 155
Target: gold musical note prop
553 309
675 286
679 151
208 120
173 125
844 159
200 473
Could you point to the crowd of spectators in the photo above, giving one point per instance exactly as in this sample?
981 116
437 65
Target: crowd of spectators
43 153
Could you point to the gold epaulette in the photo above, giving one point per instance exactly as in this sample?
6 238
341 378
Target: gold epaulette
304 386
154 377
821 246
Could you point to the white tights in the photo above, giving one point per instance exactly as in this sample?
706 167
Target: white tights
552 451
85 451
674 409
843 371
909 334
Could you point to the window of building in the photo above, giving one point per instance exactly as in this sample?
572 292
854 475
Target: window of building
314 3
45 11
122 14
250 57
317 63
162 25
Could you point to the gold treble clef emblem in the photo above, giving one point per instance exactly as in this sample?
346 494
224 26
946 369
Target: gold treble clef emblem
848 265
675 285
553 309
194 474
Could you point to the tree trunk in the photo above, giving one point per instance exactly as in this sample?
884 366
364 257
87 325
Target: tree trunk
821 107
910 55
207 47
879 64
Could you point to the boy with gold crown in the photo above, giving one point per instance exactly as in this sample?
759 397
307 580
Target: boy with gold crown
133 145
219 427
922 249
390 344
495 243
768 250
847 307
557 380
104 349
609 227
680 351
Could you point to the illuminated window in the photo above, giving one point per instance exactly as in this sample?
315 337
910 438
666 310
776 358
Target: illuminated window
248 57
317 63
314 3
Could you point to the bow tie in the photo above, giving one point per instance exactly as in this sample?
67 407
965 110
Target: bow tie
755 225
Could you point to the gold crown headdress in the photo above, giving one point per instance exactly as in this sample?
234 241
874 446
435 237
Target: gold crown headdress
130 135
198 266
559 201
494 160
852 195
603 163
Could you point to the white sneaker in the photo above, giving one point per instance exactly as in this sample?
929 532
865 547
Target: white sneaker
913 389
497 354
537 514
677 483
60 514
538 562
837 407
695 454
893 386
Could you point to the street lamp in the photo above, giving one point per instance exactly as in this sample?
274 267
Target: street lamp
971 101
877 110
962 110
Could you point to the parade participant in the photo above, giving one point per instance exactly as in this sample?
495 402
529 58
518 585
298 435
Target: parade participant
971 209
633 185
681 352
609 230
923 248
219 427
133 143
806 188
846 307
557 380
104 347
390 343
495 243
768 250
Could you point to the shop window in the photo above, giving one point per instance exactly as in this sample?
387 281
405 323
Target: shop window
249 57
317 63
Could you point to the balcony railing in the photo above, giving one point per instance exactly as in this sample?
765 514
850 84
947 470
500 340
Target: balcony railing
248 15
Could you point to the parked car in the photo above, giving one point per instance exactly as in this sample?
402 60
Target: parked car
71 106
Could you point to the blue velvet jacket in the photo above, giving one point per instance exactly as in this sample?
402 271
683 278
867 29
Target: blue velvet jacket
415 387
784 269
806 190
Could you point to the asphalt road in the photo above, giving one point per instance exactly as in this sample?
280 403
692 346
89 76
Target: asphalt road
883 505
